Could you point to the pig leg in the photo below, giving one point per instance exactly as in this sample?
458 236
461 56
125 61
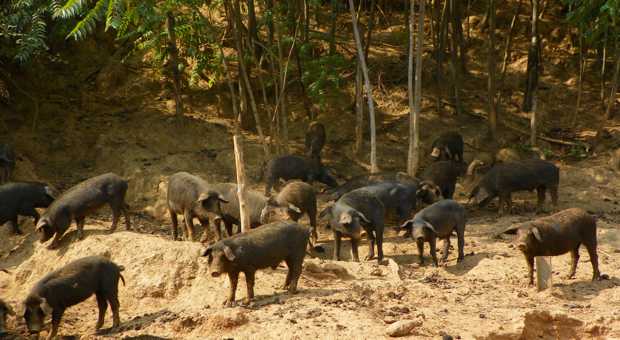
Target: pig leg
530 268
574 254
115 305
433 245
189 225
56 317
55 241
446 248
354 251
126 215
116 213
175 225
79 222
541 191
31 212
229 228
554 196
591 246
420 244
337 241
102 303
379 237
371 243
233 277
460 234
294 270
312 217
249 282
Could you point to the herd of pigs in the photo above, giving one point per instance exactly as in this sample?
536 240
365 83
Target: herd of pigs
360 205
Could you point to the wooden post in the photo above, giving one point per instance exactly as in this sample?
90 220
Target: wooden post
543 272
245 218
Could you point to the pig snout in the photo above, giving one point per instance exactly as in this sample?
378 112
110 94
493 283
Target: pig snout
215 273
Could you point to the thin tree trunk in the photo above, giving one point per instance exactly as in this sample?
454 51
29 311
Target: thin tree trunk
532 61
530 100
306 30
371 25
252 29
283 99
371 107
332 30
603 68
270 28
614 85
508 49
246 80
434 36
491 70
457 19
359 110
415 102
582 63
174 62
454 69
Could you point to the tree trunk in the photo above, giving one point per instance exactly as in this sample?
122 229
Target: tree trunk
245 78
614 85
603 68
491 70
435 19
371 25
534 121
371 107
270 28
332 29
454 69
252 29
283 99
582 66
415 103
359 110
508 50
174 62
532 62
457 19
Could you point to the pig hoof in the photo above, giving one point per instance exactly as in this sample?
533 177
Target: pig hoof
228 303
368 258
247 302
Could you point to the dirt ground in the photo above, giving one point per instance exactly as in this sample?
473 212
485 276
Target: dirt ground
122 123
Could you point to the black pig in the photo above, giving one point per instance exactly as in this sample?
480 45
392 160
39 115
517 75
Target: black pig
21 199
255 202
256 249
7 162
448 146
191 196
82 200
315 139
354 211
295 167
444 174
70 285
297 198
438 220
559 234
505 178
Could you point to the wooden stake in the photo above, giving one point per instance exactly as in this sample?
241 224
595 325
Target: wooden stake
245 218
543 272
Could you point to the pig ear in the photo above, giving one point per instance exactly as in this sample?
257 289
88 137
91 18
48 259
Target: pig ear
208 251
406 224
536 233
228 252
448 152
221 198
363 217
430 226
47 309
49 192
393 191
345 218
294 208
41 225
